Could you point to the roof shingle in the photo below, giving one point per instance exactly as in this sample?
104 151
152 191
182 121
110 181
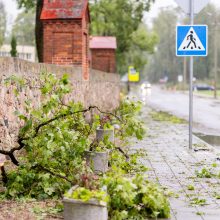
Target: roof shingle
63 9
102 42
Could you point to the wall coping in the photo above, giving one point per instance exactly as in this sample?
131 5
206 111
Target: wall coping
15 66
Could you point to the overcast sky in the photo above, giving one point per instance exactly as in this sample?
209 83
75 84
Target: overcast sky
159 4
163 3
12 10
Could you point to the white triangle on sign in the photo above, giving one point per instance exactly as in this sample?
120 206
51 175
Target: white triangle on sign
191 42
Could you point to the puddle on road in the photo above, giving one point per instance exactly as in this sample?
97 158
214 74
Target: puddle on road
210 139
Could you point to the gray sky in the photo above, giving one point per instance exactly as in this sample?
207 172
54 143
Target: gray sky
12 10
159 4
164 3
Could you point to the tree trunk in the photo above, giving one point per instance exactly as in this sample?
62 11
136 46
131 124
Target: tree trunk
39 31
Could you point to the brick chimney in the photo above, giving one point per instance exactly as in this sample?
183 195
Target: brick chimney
65 33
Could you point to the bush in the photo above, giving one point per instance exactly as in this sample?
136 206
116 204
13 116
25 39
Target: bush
55 135
135 198
51 145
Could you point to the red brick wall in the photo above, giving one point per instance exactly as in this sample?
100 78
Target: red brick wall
103 60
62 42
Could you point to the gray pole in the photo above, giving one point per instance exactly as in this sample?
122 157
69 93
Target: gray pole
215 59
184 73
191 82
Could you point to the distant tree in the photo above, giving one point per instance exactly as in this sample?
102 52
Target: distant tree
37 5
142 43
164 62
2 23
13 51
24 26
120 18
210 15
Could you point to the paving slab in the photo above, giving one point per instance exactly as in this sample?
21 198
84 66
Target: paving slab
175 167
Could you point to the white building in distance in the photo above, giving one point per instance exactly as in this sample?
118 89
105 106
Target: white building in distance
24 52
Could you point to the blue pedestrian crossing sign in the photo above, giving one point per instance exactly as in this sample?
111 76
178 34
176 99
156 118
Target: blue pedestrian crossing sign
192 40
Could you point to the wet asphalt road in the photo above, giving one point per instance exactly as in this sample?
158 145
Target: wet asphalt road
206 114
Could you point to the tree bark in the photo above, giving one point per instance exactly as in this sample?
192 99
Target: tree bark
4 175
39 31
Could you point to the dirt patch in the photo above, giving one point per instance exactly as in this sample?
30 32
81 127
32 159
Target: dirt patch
30 210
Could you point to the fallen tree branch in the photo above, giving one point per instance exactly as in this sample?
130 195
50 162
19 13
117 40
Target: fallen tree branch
4 175
39 167
69 114
51 172
120 150
37 129
11 155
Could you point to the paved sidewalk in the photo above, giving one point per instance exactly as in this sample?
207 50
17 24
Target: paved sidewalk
174 166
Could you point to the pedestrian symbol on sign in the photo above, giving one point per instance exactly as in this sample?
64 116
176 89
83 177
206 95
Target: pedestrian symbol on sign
191 42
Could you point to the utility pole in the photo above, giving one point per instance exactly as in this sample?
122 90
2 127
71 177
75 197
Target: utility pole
215 60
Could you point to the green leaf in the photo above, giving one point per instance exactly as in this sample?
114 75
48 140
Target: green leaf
26 127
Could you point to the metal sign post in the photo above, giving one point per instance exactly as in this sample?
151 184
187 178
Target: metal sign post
191 82
197 46
198 5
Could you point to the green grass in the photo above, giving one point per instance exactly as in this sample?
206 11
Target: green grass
190 187
204 173
166 117
207 93
198 201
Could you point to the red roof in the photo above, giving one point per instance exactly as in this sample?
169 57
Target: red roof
57 9
102 42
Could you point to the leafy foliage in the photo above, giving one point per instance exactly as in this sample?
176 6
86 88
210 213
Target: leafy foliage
85 194
53 140
128 162
23 28
129 113
54 137
135 198
123 19
204 65
13 51
28 4
2 22
161 65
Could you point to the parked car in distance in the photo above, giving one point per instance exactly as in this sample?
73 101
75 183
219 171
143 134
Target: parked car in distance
203 87
145 85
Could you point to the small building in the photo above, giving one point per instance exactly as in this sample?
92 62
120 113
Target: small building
24 52
102 51
65 33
